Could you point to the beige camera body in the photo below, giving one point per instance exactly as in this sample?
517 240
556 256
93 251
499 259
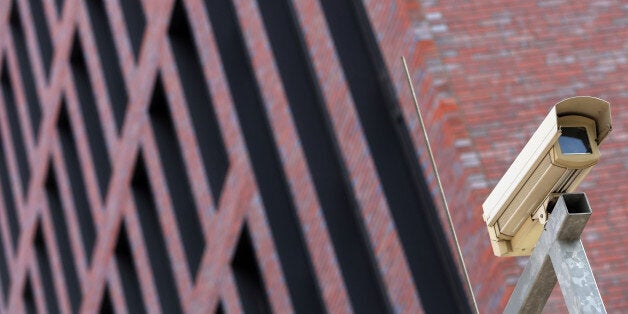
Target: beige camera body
559 155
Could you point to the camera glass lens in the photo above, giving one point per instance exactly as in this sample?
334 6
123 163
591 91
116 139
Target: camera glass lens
574 140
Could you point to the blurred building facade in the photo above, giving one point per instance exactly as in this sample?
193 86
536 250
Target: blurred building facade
265 156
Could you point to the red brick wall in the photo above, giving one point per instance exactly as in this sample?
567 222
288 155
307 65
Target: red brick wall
488 73
479 70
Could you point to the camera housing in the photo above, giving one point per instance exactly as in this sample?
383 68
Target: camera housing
555 160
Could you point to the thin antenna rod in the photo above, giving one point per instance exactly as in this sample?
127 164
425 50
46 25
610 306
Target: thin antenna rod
440 186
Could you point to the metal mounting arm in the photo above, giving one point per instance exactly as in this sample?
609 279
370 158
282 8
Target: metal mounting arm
559 256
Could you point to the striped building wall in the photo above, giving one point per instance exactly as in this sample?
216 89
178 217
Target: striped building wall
264 156
210 156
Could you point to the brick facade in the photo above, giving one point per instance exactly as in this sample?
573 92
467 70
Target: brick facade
504 65
161 155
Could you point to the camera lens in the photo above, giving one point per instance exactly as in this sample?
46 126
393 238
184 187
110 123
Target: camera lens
574 140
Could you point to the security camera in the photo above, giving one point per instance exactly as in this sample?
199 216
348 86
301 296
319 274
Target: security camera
559 155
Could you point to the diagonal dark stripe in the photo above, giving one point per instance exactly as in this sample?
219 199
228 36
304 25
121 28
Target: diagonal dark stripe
248 277
28 80
63 239
407 194
154 239
109 59
43 34
184 207
206 128
351 244
271 180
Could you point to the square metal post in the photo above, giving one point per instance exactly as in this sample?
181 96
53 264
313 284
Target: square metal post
559 256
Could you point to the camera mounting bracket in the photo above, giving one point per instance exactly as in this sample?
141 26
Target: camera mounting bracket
559 256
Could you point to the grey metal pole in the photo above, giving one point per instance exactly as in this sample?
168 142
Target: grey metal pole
576 278
559 256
